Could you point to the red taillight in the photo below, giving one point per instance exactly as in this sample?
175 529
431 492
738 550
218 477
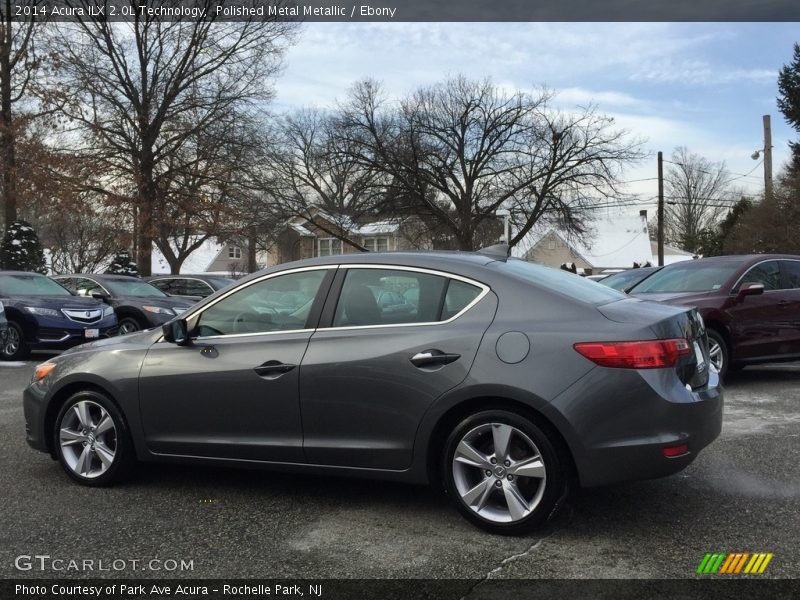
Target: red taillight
648 354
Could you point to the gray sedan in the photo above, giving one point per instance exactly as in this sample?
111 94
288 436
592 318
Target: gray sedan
503 383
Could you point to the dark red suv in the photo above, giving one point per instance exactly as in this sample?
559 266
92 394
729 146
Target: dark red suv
750 304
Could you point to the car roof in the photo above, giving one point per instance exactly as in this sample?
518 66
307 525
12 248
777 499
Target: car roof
21 273
102 276
735 258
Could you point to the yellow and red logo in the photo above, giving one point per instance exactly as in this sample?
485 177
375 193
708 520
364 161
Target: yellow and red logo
734 563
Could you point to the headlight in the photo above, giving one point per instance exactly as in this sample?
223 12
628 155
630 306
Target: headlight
158 310
109 310
42 312
2 308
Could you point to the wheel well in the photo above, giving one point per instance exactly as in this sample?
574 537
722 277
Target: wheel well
457 413
58 401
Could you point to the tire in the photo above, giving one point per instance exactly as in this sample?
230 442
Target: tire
130 325
718 352
496 496
14 346
91 458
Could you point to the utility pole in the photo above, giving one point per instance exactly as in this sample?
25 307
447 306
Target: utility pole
660 209
767 160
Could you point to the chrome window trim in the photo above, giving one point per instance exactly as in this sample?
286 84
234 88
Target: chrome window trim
190 314
78 277
184 278
485 289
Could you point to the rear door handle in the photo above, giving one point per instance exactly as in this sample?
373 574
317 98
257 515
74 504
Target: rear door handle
428 358
272 369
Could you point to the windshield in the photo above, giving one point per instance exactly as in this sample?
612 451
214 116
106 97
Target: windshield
689 277
561 281
24 284
134 287
620 281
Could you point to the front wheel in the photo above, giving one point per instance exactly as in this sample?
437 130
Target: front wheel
718 352
14 346
129 325
92 441
503 473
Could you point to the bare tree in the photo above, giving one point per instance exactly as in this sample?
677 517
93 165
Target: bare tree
696 191
142 90
458 151
18 63
314 166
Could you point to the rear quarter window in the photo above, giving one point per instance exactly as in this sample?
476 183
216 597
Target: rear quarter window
560 281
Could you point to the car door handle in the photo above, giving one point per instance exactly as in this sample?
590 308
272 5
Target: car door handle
428 358
273 369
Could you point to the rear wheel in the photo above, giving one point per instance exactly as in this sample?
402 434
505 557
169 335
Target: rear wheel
92 441
502 472
718 352
14 347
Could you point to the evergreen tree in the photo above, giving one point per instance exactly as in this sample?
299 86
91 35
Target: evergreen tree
789 102
123 265
21 250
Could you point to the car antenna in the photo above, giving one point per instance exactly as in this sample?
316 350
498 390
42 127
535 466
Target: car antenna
498 251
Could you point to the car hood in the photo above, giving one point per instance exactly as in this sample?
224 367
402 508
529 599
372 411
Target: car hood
141 339
677 298
54 302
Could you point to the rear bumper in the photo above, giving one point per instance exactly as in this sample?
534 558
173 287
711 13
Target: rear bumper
619 423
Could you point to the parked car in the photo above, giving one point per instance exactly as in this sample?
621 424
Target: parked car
3 325
508 380
137 304
42 315
190 287
750 304
625 280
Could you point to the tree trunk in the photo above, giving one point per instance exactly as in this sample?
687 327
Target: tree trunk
251 250
7 138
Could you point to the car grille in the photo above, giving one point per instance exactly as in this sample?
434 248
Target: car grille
83 316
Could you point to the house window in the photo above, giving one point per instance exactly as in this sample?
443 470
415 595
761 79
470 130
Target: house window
234 252
551 244
330 246
376 244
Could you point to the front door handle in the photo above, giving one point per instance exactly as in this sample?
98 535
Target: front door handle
272 369
429 358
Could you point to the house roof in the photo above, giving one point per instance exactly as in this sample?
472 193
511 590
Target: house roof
197 262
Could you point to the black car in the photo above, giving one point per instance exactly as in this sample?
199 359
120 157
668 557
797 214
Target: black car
190 287
42 315
503 382
138 304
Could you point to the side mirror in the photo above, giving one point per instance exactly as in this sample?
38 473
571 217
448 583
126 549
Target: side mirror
100 296
177 332
750 289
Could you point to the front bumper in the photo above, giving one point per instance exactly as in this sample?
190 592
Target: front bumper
620 422
59 334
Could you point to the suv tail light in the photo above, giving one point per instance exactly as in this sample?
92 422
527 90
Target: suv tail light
648 354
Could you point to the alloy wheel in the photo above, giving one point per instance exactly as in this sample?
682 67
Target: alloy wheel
128 326
499 472
88 439
11 347
716 355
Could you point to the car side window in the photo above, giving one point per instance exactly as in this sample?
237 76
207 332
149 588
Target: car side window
165 285
87 287
280 303
791 273
767 273
195 287
69 283
395 297
459 295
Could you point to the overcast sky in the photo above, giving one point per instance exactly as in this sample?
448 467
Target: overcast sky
703 85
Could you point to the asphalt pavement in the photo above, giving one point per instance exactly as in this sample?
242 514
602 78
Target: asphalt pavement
740 495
